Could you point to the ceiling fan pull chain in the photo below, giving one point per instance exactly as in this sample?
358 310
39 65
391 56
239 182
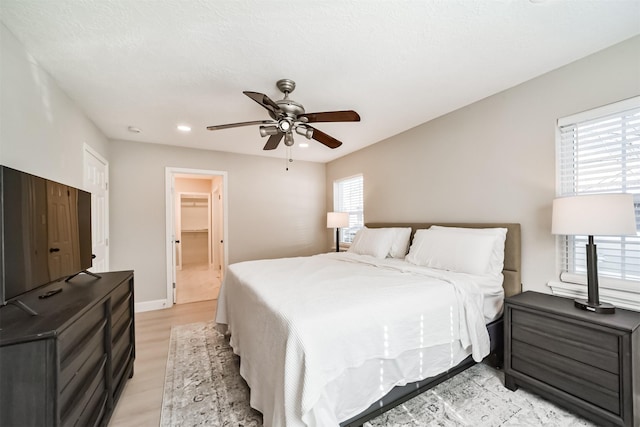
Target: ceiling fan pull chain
288 158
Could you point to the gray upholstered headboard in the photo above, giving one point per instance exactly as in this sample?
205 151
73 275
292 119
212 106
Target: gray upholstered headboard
512 260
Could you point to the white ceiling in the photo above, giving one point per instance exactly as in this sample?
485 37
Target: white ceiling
156 64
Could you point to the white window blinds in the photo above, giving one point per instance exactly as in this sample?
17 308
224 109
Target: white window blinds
599 152
348 197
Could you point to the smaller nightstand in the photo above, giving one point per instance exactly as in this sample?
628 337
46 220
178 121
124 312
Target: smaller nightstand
586 362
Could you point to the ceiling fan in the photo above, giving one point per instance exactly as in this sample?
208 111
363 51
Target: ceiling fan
288 116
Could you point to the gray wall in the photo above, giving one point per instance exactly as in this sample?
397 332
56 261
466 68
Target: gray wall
271 213
42 131
493 160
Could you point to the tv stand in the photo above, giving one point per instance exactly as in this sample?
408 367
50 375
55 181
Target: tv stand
23 306
68 365
85 272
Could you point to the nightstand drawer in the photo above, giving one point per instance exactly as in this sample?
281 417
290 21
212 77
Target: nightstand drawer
593 385
586 345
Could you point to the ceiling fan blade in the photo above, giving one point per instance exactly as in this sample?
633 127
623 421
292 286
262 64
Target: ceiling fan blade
265 101
235 125
273 141
325 139
332 116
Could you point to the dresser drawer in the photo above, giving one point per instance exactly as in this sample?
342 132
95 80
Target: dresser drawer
82 397
95 407
120 349
79 363
121 313
120 368
120 295
79 332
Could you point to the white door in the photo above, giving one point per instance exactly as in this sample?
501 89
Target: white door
96 181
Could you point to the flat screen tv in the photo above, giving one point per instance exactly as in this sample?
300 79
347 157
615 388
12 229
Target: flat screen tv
45 228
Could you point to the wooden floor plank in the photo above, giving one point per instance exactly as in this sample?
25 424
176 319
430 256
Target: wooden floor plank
141 401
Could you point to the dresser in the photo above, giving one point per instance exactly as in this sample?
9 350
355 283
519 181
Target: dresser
586 362
67 365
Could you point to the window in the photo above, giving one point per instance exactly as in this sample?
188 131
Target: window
348 197
599 152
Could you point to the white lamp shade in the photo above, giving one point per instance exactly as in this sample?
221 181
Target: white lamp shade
337 219
594 215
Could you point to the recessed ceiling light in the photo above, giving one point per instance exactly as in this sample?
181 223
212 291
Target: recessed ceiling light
134 129
184 128
303 145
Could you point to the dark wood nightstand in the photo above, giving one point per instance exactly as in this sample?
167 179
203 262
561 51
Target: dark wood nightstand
586 362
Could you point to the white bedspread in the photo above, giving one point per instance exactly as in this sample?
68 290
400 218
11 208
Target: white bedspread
304 326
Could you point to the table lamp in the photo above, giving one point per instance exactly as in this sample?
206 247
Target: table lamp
337 220
594 215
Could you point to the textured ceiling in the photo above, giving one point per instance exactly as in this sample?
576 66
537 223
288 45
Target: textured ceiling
156 64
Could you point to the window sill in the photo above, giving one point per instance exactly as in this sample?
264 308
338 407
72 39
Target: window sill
343 247
616 295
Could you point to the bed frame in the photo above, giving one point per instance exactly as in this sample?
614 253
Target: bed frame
512 285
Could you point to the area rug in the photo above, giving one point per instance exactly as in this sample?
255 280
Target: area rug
203 387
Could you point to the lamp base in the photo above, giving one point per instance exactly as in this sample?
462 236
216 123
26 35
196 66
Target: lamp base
601 308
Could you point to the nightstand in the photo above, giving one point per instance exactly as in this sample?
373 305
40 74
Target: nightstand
586 362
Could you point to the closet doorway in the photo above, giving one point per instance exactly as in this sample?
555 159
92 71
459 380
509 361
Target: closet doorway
198 225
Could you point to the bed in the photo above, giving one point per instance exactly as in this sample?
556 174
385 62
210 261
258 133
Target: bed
336 339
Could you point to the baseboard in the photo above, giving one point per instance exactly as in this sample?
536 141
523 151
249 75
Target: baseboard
152 305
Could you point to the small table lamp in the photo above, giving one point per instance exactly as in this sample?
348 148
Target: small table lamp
337 220
589 215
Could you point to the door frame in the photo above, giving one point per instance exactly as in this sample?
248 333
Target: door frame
170 206
89 151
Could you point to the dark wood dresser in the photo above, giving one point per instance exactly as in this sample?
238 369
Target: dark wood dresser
586 362
68 365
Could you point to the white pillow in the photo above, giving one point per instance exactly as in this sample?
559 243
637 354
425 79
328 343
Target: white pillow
460 252
497 255
400 243
372 241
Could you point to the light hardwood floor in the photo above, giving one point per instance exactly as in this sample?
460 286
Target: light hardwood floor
197 282
141 401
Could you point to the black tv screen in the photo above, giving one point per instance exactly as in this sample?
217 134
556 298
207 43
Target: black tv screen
45 229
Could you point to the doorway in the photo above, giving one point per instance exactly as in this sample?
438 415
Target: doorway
196 224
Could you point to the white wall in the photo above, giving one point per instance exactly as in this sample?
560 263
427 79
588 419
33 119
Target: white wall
271 213
493 160
42 131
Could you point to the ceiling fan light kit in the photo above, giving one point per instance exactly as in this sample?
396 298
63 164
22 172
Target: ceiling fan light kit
268 130
288 139
304 131
287 116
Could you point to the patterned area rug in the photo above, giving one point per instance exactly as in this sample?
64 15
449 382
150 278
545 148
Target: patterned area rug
203 387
